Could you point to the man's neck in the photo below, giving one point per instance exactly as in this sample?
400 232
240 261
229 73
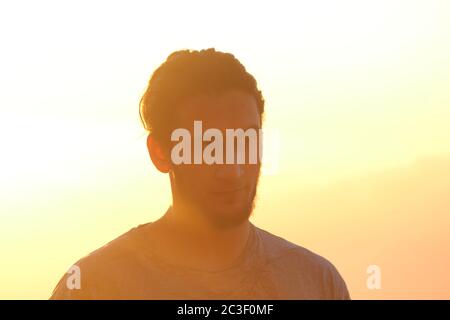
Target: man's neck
198 244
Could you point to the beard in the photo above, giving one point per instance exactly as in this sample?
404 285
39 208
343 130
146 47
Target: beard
220 216
223 219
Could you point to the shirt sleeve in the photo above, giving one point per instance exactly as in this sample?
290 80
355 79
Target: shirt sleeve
337 287
63 292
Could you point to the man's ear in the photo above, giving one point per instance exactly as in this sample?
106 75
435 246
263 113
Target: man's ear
159 159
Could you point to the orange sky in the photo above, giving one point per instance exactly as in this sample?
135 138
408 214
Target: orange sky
357 91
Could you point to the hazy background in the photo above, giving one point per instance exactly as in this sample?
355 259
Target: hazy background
358 90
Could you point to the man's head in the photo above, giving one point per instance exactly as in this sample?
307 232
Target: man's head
214 88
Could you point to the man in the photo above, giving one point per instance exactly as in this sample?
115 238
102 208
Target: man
204 246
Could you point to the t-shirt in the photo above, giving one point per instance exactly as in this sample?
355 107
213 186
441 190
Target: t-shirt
269 267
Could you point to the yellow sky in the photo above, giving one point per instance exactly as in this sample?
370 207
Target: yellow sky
358 91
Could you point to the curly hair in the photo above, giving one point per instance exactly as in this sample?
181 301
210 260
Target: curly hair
187 73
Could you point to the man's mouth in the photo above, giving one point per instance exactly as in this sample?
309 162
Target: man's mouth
228 191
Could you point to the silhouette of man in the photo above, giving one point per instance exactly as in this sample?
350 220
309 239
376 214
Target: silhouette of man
204 246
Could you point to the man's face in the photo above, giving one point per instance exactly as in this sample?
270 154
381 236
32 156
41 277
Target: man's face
223 193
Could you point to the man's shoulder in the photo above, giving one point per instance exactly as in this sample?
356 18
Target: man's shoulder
103 265
276 248
121 248
293 259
